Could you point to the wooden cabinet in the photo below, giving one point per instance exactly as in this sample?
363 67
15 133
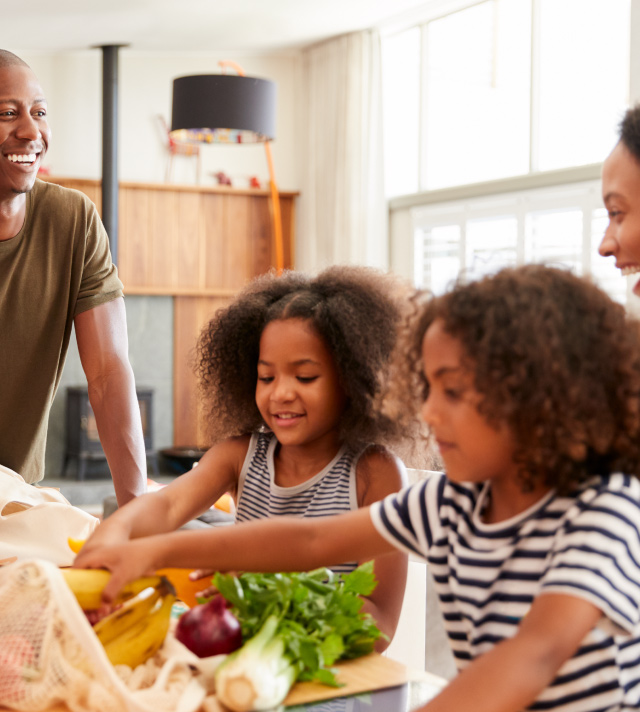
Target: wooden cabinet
190 240
199 245
190 314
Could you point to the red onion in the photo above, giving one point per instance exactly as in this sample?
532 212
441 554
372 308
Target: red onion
209 629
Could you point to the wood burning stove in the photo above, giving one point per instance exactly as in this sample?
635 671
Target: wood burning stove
82 442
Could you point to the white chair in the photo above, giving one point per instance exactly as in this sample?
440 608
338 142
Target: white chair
428 650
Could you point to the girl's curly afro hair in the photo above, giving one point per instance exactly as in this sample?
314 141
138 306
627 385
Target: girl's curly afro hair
554 358
356 310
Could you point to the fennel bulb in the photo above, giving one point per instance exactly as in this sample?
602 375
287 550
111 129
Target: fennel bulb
258 675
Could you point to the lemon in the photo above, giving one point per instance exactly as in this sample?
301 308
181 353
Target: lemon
75 544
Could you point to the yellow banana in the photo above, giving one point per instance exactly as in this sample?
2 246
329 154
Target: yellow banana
142 639
132 611
87 586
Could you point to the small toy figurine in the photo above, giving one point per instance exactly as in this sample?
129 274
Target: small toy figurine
254 182
222 178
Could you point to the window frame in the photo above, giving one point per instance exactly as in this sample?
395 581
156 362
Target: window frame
525 198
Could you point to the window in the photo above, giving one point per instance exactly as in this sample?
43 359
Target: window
401 109
476 94
503 88
583 83
560 226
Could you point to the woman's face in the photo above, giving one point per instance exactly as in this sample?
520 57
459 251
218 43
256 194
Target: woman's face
621 196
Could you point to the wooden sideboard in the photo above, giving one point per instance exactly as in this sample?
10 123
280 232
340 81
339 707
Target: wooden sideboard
199 245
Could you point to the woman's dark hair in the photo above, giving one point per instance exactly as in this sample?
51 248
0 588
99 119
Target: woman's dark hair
630 131
553 357
355 310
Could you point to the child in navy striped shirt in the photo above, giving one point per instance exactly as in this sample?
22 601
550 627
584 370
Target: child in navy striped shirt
529 381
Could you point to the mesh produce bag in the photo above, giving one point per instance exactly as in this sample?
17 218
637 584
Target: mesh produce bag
50 655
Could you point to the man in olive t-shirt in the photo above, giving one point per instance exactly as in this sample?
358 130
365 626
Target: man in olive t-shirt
55 273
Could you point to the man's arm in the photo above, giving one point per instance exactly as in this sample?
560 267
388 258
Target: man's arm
101 334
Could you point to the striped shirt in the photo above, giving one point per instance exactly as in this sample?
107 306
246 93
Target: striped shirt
486 575
331 491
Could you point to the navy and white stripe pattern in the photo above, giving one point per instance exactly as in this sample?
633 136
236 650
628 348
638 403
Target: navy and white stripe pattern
487 575
331 491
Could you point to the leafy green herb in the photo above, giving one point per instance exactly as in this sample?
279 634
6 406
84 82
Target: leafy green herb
319 615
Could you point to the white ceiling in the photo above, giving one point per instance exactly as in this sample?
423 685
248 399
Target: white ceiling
190 25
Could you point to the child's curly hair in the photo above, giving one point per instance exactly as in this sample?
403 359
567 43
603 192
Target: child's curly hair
554 358
356 310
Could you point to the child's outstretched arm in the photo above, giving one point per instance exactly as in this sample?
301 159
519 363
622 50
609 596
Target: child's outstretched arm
511 675
379 474
184 499
278 544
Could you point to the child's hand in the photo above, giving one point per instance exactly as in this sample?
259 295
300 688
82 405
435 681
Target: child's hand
198 574
203 574
126 562
105 535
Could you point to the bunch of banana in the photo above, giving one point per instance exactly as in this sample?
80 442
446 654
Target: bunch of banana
134 631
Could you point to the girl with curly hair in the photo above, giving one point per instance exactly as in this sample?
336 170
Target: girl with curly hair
290 373
529 382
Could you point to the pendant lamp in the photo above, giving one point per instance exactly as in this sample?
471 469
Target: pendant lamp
231 109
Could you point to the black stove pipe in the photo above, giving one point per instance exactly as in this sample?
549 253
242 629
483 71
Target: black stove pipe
110 145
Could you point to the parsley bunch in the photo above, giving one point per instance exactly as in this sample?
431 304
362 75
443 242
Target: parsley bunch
319 615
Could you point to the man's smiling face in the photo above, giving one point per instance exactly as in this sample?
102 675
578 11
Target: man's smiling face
24 131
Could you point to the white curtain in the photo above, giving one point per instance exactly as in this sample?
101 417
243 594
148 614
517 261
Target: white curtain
343 215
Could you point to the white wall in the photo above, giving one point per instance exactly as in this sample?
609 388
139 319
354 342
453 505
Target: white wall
72 82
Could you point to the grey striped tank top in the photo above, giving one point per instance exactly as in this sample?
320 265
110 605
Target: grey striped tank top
331 491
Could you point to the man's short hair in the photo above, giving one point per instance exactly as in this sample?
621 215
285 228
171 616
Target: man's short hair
9 59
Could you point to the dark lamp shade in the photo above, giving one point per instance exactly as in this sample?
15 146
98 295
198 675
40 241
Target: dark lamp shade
223 108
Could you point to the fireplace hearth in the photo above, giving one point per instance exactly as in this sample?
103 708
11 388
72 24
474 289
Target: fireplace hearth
82 442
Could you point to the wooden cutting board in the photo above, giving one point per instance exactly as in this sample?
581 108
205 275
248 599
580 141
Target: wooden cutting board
372 672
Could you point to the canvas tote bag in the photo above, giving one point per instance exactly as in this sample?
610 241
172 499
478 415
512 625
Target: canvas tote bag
36 522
